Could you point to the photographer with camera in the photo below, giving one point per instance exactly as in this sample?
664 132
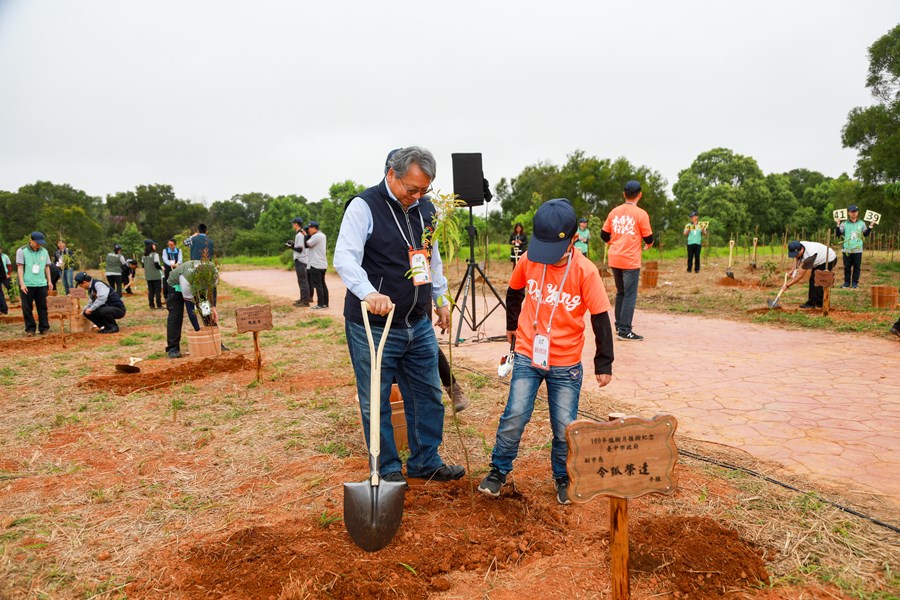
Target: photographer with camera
301 259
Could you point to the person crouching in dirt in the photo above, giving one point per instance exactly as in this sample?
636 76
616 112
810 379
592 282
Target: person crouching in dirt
551 287
105 305
181 297
810 256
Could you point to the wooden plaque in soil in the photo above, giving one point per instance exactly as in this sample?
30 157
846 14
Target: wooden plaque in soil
60 305
78 292
625 458
253 318
823 278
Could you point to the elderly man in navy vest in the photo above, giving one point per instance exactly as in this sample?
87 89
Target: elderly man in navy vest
379 244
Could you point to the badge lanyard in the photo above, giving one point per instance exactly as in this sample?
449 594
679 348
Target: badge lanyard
418 259
541 347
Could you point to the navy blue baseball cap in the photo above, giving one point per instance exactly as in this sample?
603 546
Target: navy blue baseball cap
632 187
794 249
38 237
852 208
297 220
694 213
81 277
554 226
314 224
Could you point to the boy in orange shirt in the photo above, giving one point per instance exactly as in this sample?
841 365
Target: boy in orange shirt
627 231
551 288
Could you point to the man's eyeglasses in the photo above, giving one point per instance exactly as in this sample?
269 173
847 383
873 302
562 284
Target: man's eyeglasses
412 191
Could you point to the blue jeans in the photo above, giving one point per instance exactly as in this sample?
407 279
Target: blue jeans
626 297
563 389
411 358
68 281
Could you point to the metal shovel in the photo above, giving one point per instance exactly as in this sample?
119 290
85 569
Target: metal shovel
130 367
729 272
774 303
373 508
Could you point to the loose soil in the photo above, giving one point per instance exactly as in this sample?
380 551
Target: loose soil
453 538
150 378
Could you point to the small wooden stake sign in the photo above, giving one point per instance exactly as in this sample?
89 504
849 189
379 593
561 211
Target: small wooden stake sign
60 306
625 458
254 318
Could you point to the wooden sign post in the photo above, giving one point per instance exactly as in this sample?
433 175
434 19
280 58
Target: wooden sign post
254 318
60 306
625 458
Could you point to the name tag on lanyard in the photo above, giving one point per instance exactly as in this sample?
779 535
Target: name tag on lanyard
419 267
540 354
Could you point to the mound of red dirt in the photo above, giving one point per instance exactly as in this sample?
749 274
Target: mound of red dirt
699 557
182 371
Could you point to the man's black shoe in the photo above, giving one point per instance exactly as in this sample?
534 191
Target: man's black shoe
113 329
443 473
319 307
895 331
173 354
629 337
395 477
807 305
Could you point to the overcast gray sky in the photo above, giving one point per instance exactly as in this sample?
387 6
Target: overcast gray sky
219 97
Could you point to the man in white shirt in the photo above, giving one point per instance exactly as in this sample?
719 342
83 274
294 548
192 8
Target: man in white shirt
318 264
810 256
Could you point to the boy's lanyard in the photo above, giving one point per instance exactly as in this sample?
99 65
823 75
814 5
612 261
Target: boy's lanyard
540 351
541 294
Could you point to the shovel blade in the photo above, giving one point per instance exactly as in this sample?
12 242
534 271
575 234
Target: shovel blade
372 513
128 369
729 274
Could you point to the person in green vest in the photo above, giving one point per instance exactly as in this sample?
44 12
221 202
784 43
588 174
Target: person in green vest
33 264
153 273
694 234
853 231
182 296
115 263
584 236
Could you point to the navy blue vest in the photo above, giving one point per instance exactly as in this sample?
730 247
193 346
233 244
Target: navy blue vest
386 259
112 299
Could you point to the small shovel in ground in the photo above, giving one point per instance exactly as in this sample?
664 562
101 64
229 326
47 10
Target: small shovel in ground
729 272
130 368
774 303
373 508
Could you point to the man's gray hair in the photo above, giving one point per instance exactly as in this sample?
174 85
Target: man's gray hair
401 160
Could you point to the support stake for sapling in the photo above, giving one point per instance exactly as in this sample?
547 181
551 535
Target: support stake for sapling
258 354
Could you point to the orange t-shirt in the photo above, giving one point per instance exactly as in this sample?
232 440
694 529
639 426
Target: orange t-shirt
583 291
627 225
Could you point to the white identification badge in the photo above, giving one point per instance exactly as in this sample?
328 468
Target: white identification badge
418 265
540 356
35 269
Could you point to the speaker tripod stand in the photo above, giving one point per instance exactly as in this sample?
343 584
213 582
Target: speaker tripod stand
468 313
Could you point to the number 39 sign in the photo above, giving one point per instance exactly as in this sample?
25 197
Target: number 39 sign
872 217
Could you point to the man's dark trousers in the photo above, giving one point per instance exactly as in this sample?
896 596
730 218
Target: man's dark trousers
694 255
317 282
35 296
105 316
852 265
175 306
816 296
302 280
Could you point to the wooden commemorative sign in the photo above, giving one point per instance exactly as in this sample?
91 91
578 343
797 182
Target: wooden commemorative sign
78 293
60 305
872 217
253 318
839 215
625 458
823 279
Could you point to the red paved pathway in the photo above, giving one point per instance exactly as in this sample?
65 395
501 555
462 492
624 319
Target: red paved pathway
824 405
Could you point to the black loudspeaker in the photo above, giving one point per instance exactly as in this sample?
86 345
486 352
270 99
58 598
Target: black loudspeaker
468 178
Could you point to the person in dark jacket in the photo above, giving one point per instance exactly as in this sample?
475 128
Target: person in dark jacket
518 243
200 244
380 241
105 306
